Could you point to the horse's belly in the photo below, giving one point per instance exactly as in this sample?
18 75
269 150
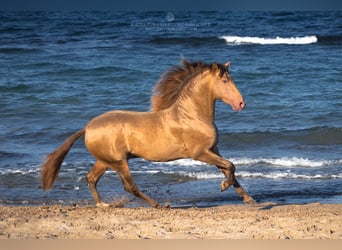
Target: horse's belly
157 147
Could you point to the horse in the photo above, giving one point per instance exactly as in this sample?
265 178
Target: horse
180 124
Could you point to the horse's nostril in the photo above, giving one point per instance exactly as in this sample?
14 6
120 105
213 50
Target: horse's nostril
242 105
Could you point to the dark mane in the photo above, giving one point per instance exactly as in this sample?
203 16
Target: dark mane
171 83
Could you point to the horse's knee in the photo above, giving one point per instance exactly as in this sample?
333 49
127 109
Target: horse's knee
228 169
231 167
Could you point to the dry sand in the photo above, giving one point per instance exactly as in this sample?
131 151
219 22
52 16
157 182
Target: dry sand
264 221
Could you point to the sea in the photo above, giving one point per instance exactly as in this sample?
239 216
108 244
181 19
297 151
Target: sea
58 70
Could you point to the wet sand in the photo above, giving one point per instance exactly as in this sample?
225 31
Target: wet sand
263 221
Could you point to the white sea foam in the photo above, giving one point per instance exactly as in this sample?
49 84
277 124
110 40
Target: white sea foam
278 168
285 175
269 175
185 162
204 175
237 40
19 171
286 162
281 162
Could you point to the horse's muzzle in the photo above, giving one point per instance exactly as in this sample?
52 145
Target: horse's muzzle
240 106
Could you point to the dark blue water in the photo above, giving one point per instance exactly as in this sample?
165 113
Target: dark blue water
60 69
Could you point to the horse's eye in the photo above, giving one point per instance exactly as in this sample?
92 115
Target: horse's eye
225 81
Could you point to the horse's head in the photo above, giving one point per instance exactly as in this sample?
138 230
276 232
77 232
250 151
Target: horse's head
225 88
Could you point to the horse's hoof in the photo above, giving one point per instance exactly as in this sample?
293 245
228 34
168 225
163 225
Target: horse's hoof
250 201
163 207
102 204
166 206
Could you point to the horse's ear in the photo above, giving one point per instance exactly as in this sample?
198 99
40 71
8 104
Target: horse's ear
226 65
214 67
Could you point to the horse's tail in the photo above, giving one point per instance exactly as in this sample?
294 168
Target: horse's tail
54 160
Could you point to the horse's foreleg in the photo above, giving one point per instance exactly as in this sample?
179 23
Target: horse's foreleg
92 178
228 169
127 181
238 188
231 180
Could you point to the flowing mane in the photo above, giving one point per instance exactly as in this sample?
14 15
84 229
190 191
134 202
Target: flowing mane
172 82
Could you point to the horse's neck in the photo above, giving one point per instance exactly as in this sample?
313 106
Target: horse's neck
197 101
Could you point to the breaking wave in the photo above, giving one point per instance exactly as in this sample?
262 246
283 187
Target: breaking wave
280 162
238 40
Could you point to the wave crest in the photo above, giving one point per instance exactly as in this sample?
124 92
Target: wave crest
289 162
237 40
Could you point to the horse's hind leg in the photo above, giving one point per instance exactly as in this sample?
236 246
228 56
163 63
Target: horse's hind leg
92 178
123 170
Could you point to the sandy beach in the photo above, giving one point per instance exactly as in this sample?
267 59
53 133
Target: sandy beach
263 221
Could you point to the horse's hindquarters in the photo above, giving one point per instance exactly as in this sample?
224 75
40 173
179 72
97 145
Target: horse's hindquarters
104 136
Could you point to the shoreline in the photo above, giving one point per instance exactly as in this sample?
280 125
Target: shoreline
262 221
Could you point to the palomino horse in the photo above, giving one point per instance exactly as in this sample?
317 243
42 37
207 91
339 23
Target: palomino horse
180 125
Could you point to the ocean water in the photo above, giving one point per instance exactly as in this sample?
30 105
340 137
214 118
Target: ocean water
58 70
